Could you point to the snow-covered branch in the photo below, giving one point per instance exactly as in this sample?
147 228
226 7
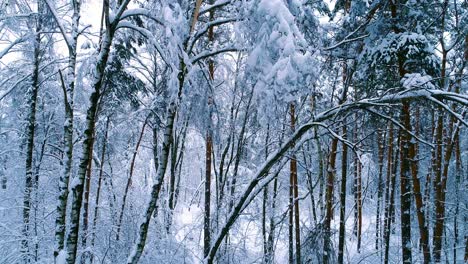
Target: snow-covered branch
140 12
11 45
67 38
207 54
217 4
116 18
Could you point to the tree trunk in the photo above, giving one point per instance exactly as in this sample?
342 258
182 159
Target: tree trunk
441 189
392 165
381 150
30 136
329 195
209 150
98 191
357 194
84 235
271 233
60 220
406 158
266 252
423 229
139 245
329 200
344 172
294 197
78 181
129 179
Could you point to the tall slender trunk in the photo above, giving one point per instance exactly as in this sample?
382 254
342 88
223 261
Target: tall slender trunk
264 206
320 175
207 214
271 233
406 157
329 194
392 167
441 189
87 188
98 191
357 194
78 181
423 229
458 175
294 201
239 152
129 179
30 136
344 163
344 172
381 150
209 150
68 93
291 213
140 242
139 245
175 171
331 170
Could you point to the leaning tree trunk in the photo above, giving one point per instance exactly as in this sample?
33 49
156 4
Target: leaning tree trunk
78 181
140 242
129 179
30 136
139 245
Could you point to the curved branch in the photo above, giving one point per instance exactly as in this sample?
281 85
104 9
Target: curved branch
12 44
207 54
218 4
140 12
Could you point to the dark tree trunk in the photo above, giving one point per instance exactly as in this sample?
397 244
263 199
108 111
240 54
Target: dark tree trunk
209 150
392 165
30 137
344 172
